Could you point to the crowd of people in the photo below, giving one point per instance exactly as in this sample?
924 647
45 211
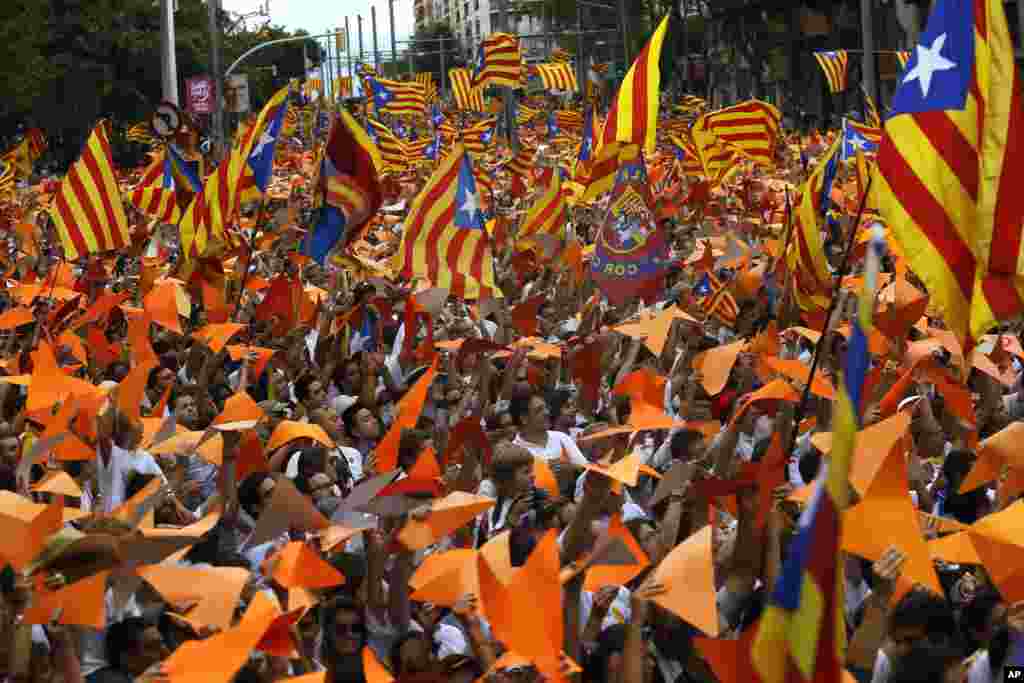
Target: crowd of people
255 467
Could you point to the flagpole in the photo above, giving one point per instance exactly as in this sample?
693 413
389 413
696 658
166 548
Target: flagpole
844 265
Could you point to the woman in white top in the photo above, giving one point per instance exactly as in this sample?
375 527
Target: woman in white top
531 417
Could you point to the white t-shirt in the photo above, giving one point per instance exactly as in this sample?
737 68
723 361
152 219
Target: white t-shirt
552 449
112 476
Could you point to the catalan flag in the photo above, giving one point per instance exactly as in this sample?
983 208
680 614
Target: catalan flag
466 96
392 149
350 191
686 152
398 97
752 128
343 86
548 214
581 169
805 256
802 633
633 117
525 114
498 62
141 133
834 64
858 137
871 115
903 57
718 159
7 180
716 301
569 118
444 240
154 194
557 76
561 56
215 207
948 170
478 137
37 144
87 209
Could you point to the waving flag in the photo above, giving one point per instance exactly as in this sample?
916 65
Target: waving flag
631 253
834 64
350 191
560 55
859 138
467 97
903 57
751 128
154 194
392 149
582 166
802 633
805 255
398 97
548 214
633 117
871 115
557 76
498 62
717 301
87 208
948 168
444 240
477 138
213 209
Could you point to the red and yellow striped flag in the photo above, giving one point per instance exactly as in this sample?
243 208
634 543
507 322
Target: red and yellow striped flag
835 65
445 240
948 167
752 128
87 209
557 76
548 214
466 96
633 117
498 62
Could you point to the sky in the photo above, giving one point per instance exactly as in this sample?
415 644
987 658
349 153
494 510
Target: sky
316 16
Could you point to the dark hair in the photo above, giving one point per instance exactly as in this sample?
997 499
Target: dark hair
410 443
311 456
809 465
249 491
921 608
682 441
611 641
926 662
302 385
963 507
519 408
123 636
328 610
348 418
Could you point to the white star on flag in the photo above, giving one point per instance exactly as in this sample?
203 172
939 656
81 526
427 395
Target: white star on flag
470 205
265 139
929 60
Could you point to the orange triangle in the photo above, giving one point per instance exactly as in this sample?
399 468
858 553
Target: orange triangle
299 567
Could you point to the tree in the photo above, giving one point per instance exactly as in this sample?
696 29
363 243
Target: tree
427 45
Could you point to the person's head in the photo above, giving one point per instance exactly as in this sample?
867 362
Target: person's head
254 493
322 486
344 629
929 661
160 378
133 645
9 449
512 469
186 410
312 460
352 375
310 391
687 445
529 412
981 617
412 654
411 443
919 615
361 423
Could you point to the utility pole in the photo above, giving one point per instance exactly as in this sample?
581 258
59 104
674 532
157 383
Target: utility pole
348 59
373 23
686 46
868 58
359 19
394 43
625 35
580 73
444 73
217 126
168 61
